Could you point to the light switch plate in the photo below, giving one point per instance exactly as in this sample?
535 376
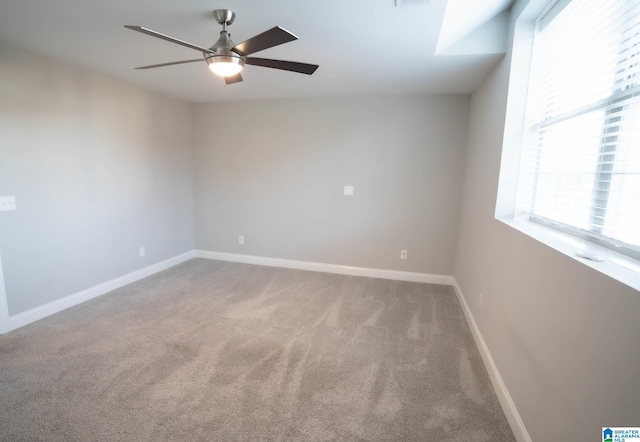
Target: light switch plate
7 203
348 190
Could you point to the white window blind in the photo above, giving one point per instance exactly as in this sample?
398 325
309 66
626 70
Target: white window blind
580 164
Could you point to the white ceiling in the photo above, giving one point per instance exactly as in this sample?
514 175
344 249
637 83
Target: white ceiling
362 46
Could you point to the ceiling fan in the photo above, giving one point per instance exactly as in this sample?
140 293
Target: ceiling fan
226 58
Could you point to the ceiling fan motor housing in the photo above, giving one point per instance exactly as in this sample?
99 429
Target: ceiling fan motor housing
223 52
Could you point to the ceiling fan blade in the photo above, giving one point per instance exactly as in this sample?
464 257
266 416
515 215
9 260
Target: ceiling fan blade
151 66
167 38
268 39
293 66
233 79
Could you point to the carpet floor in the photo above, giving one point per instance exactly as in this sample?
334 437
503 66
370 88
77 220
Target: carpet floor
217 351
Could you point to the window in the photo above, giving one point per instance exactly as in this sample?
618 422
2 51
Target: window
580 163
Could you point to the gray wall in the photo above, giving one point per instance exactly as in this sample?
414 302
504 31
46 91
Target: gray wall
564 337
99 168
276 173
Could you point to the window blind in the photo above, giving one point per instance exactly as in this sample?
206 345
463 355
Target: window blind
580 163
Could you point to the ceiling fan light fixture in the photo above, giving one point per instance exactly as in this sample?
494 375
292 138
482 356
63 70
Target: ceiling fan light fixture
225 65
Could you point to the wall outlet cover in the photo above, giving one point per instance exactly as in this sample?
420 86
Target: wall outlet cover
7 203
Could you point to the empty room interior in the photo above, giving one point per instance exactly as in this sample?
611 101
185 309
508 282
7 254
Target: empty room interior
331 220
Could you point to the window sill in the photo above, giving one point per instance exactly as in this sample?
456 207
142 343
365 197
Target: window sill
615 265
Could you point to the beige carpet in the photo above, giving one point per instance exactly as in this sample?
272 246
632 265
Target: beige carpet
215 351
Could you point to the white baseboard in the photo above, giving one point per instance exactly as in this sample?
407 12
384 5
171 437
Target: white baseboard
508 406
58 305
327 268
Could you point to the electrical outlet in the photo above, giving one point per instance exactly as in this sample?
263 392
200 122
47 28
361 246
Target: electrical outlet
241 240
7 203
403 254
142 253
480 300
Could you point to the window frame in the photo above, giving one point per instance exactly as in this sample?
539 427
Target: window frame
624 267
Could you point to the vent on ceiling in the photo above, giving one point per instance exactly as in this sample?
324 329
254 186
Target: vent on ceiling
412 2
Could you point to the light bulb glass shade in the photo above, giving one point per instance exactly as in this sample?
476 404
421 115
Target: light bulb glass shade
225 69
225 65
